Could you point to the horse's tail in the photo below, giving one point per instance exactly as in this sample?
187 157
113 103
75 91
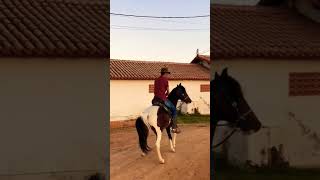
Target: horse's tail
143 133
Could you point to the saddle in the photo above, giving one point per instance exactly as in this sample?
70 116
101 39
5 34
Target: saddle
159 102
164 113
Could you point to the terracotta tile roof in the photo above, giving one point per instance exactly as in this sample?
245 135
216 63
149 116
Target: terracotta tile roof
54 28
262 32
149 70
200 58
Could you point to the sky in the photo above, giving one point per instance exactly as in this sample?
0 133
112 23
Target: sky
155 45
236 2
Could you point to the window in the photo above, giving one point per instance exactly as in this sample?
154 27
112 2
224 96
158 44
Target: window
304 84
204 87
151 88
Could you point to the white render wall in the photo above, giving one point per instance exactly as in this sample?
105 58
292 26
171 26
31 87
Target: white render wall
128 98
265 85
52 115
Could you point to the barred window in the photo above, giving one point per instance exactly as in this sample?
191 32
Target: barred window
204 87
151 88
304 84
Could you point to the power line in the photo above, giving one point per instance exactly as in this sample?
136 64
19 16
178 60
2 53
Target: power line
164 17
205 51
153 29
180 21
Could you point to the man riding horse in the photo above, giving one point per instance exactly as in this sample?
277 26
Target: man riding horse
161 91
161 115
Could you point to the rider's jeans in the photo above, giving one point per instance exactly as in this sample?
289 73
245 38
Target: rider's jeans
173 109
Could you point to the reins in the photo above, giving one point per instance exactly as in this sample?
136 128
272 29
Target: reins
225 139
234 129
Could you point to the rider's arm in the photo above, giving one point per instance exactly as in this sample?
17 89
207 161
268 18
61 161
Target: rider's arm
167 92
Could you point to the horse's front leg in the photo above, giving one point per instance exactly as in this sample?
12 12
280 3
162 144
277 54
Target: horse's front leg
170 139
174 139
158 142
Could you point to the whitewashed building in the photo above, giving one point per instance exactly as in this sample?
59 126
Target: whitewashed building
53 94
131 87
274 52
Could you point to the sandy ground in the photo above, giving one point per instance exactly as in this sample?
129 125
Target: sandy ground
190 161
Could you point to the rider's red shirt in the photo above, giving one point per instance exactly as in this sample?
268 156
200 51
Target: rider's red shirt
160 87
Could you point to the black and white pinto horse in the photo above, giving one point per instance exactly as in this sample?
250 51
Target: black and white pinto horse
229 104
157 119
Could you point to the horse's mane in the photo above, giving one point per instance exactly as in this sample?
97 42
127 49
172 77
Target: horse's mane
172 94
172 91
232 81
235 84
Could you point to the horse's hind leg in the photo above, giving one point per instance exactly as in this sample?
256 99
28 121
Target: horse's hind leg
170 138
158 142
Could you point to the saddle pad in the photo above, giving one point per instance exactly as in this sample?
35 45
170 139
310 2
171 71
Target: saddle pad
164 118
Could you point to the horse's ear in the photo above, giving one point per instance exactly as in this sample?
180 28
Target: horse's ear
180 84
224 72
216 75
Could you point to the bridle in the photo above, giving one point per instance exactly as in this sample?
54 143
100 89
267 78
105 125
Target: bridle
185 97
235 129
234 124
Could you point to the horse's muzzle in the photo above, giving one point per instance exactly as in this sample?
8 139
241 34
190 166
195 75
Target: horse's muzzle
188 100
250 124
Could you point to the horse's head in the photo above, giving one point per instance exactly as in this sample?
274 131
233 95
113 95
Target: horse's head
230 105
182 94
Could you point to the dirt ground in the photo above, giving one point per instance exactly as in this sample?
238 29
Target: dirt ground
190 161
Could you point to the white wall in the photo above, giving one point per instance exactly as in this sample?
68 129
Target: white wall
265 85
52 115
128 98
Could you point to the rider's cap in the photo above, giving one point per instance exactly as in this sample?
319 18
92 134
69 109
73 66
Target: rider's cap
165 70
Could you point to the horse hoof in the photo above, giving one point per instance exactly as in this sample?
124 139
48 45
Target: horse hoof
161 161
143 154
173 150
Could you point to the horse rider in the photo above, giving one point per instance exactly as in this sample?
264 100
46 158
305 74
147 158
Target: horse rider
161 91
